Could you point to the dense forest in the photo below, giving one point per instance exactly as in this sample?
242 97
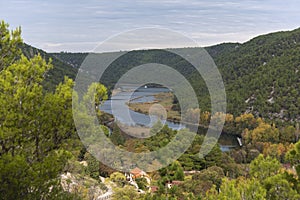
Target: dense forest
261 76
42 157
57 73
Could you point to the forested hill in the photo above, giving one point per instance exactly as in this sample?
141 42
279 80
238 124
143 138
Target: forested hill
60 68
261 76
73 59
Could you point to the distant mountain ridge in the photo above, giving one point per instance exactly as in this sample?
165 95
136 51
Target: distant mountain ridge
261 76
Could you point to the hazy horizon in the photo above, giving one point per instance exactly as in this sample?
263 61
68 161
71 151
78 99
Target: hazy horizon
78 27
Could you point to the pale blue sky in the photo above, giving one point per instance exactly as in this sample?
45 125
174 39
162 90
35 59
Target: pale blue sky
65 25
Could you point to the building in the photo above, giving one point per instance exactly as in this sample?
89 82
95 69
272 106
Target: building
170 184
137 173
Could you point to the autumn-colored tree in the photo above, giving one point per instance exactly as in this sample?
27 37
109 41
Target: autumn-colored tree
245 121
264 132
293 156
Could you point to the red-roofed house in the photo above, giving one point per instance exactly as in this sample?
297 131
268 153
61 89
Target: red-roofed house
137 173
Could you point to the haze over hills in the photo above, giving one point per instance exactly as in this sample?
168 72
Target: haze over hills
261 76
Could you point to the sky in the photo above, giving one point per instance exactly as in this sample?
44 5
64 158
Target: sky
78 26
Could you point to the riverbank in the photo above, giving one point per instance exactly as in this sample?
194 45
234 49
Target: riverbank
165 99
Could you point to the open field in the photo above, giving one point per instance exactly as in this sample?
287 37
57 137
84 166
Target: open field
164 99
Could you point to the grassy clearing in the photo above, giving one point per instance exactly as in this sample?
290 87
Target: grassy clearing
165 99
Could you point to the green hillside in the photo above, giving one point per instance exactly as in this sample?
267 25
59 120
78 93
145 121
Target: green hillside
261 75
73 59
59 70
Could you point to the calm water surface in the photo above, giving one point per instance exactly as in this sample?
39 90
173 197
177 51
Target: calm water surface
142 95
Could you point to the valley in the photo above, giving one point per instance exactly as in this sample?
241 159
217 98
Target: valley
106 141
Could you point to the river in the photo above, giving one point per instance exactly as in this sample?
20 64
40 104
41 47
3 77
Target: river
142 95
